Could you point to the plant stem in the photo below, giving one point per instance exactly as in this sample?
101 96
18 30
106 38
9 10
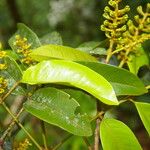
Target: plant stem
7 131
97 137
109 52
62 142
123 60
87 143
97 116
9 92
44 134
14 108
22 127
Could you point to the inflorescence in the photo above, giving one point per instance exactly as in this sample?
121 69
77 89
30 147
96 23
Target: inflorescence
124 34
23 48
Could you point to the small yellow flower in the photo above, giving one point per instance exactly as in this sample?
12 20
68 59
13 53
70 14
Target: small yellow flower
3 85
24 48
23 145
3 66
2 54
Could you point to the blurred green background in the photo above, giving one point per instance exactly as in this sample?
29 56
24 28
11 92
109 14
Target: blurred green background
76 20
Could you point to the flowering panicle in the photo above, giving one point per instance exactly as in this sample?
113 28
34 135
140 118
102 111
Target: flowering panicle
115 21
125 35
136 34
114 25
24 48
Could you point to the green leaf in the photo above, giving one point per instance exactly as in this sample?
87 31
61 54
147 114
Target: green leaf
92 47
115 135
52 38
12 74
144 112
56 107
123 82
12 54
51 51
86 101
72 74
135 62
25 32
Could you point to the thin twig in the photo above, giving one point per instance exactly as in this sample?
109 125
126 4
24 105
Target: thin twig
9 92
97 116
7 131
15 106
62 142
87 143
44 134
109 51
22 127
97 137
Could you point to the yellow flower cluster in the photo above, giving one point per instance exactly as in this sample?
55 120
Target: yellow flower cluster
3 85
2 54
24 48
114 25
3 82
23 145
115 19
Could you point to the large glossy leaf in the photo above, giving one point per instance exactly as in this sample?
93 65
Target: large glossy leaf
123 82
137 61
56 107
52 38
25 32
12 74
72 74
115 135
51 51
144 112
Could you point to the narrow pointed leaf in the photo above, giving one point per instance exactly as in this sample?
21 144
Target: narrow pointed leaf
123 82
12 74
72 74
144 112
115 135
51 51
56 107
